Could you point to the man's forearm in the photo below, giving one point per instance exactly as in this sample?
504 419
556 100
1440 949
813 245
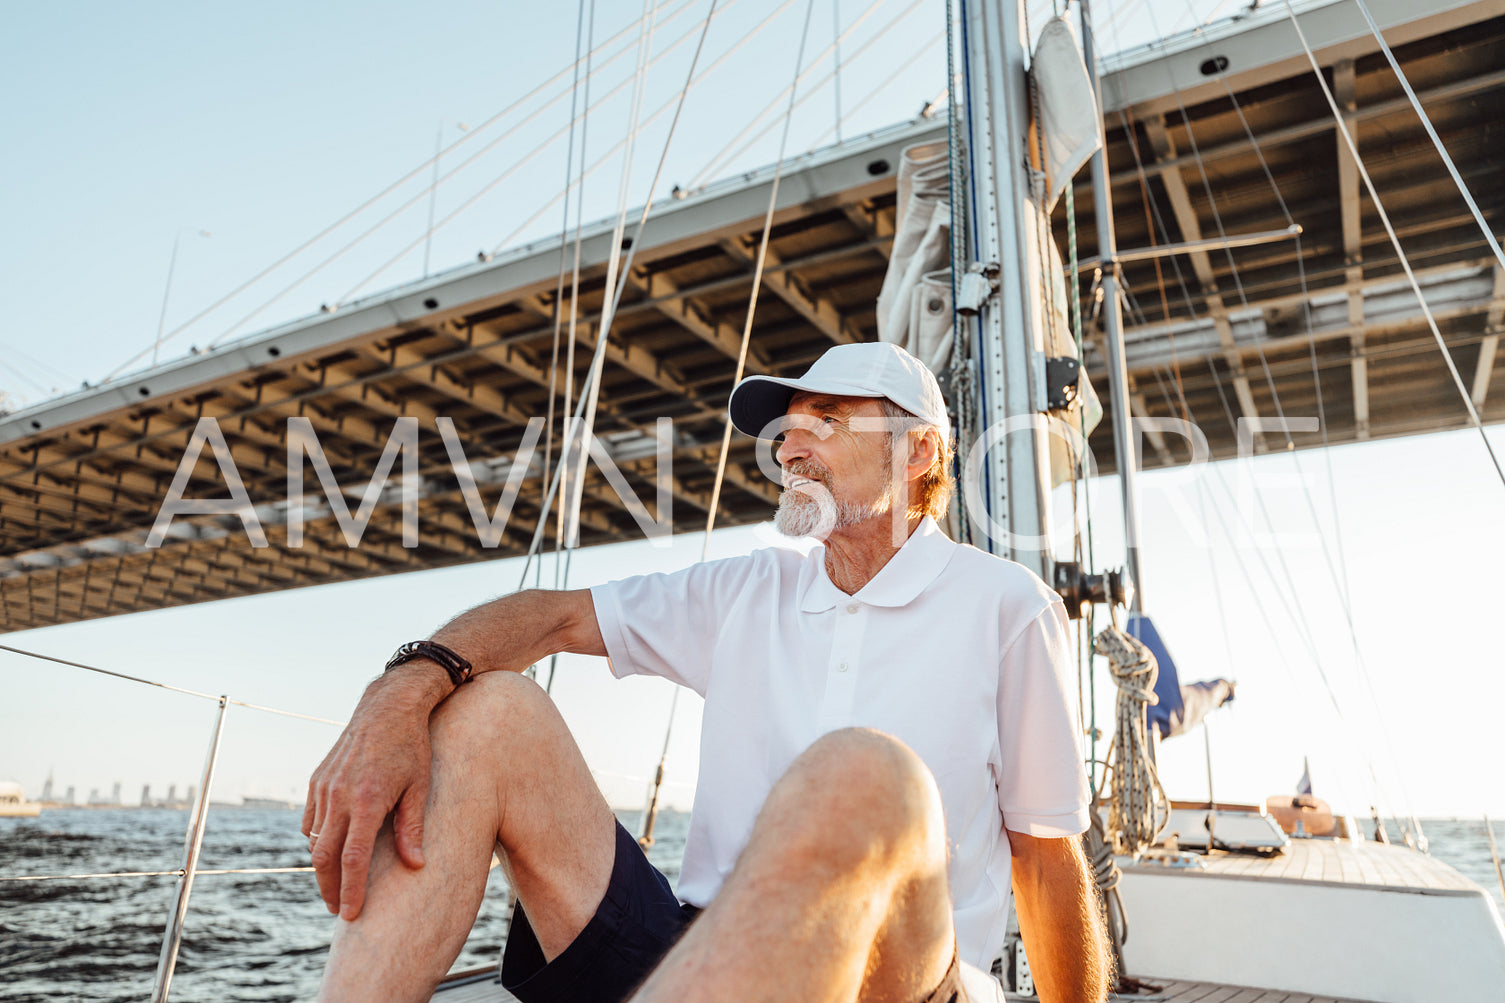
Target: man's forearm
515 631
1060 920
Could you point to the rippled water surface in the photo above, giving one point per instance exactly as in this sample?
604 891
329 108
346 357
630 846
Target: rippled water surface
248 938
256 938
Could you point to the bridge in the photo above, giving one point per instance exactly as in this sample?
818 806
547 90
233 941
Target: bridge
1197 127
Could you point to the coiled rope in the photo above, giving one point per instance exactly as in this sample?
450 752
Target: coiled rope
1138 806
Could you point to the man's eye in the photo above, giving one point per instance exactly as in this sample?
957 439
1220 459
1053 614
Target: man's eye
829 419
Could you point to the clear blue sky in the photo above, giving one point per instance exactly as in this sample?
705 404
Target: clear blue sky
263 125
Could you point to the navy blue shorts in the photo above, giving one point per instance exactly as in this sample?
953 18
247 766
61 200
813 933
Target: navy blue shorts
636 924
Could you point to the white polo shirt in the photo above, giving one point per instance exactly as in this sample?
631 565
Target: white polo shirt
962 656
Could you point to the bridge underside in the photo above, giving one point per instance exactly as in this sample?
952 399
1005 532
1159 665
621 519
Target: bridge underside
82 478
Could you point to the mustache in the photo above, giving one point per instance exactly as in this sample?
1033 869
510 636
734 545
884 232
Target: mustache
805 468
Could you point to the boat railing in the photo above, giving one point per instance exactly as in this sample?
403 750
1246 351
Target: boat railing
172 935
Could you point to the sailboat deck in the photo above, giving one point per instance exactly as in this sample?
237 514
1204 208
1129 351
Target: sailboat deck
1336 862
486 989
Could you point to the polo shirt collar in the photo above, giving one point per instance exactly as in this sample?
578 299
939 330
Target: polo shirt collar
898 583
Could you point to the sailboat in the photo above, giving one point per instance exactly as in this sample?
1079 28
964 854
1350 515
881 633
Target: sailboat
1233 907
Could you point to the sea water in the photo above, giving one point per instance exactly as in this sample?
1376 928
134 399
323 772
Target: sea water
263 937
248 937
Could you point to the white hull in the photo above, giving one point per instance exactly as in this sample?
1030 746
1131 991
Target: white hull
1362 921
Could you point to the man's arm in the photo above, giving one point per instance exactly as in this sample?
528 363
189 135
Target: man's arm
1060 919
381 760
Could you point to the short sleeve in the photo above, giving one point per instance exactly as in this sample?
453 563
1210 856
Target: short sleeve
1042 786
666 624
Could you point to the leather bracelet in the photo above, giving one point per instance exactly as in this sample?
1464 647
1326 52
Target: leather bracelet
458 668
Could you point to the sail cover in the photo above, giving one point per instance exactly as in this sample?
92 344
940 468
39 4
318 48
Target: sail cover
1180 708
914 305
1069 119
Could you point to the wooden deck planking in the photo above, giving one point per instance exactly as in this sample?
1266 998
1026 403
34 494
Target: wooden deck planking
1209 992
1336 862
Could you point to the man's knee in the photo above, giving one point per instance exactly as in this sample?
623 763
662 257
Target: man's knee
496 707
869 785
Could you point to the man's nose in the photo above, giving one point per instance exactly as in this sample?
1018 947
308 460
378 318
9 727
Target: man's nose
795 445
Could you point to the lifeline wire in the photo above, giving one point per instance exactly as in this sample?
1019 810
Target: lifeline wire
157 874
167 686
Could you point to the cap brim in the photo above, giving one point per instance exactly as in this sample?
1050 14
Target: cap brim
758 401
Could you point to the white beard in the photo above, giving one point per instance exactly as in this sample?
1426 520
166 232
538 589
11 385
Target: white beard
810 510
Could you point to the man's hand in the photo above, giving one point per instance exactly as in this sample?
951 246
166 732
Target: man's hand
380 761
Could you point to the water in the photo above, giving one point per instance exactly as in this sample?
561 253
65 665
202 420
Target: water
262 938
252 938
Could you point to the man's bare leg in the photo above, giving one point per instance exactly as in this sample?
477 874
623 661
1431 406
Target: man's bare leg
841 893
507 776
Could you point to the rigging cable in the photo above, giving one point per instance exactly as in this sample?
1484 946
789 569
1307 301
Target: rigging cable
465 137
1473 207
1341 587
608 312
1304 627
614 273
1405 262
651 814
741 41
960 371
920 51
536 151
564 243
728 153
636 104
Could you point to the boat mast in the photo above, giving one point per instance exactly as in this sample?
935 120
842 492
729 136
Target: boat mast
1118 379
998 287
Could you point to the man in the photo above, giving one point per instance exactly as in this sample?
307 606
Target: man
887 745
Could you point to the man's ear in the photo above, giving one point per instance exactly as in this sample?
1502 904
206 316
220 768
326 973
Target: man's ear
922 452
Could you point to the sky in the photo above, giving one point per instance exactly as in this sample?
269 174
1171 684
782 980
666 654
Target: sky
138 126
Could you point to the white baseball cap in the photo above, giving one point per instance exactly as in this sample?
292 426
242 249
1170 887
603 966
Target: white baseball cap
863 369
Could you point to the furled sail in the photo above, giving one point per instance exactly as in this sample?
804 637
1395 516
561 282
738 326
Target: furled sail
1068 108
1180 707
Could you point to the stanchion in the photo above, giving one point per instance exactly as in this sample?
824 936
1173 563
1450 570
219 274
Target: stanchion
173 937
